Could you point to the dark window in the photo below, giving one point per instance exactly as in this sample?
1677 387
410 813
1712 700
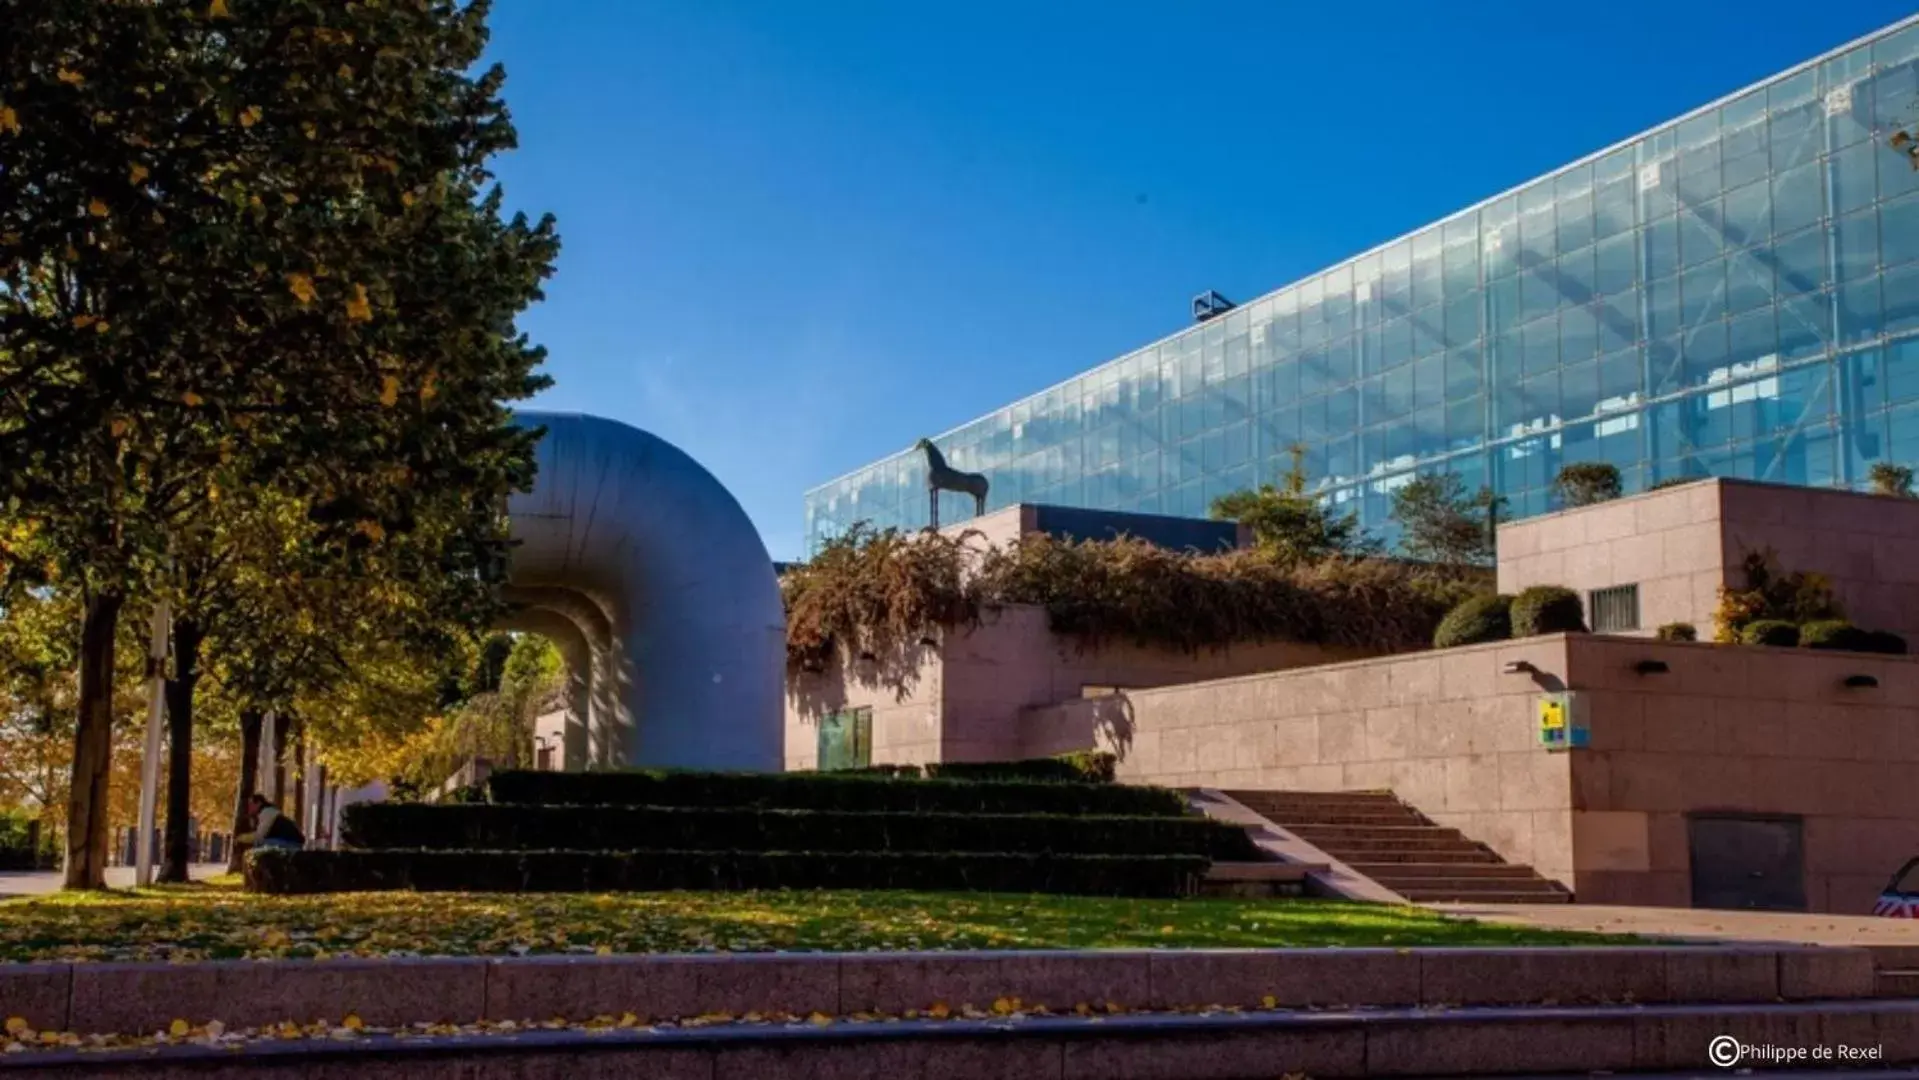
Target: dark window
1613 610
546 759
846 739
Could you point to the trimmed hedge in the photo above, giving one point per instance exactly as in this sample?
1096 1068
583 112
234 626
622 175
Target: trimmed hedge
659 828
1885 641
1084 767
1478 619
1775 632
1834 634
829 791
1677 631
897 771
1547 609
287 872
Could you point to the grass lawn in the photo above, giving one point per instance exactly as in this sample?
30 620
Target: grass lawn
217 920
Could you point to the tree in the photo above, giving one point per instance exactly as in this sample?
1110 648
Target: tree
1583 483
1442 523
251 238
1890 479
1291 525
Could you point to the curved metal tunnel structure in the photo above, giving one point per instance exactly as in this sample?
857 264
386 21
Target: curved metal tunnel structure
655 586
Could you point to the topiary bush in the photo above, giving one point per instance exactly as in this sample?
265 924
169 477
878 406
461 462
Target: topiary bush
1547 609
1885 641
1775 632
1677 631
1084 767
1834 634
1584 483
1483 618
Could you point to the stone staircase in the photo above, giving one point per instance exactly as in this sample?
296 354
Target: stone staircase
1395 845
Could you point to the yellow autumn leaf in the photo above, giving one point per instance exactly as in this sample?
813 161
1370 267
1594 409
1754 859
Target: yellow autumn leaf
359 309
406 198
250 116
352 1022
430 386
1002 1006
16 1025
100 327
97 208
82 321
136 173
213 492
345 72
628 1020
939 1011
819 1019
301 286
9 120
1269 1002
193 400
389 390
179 1028
218 10
372 530
70 77
289 198
118 427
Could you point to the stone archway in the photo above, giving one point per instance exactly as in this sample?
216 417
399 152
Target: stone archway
655 586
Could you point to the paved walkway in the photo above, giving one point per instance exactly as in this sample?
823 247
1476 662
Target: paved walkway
1773 926
41 882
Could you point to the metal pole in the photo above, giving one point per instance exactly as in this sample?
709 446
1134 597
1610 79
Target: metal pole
150 763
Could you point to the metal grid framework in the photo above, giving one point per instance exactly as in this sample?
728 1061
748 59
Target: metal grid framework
1735 293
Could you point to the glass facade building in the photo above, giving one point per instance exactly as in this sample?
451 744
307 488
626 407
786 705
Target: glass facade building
1735 293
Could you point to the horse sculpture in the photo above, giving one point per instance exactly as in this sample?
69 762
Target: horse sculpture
943 477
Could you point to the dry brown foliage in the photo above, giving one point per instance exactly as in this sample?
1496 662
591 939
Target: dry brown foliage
874 591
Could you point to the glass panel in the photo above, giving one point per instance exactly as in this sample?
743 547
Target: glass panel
1899 229
1797 200
1854 176
1615 262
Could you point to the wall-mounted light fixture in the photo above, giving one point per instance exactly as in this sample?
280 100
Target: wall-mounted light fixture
1521 667
1651 667
1861 682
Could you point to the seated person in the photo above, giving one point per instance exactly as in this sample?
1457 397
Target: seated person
272 830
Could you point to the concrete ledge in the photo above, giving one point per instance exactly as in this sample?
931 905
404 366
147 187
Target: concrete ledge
133 999
1386 1042
37 993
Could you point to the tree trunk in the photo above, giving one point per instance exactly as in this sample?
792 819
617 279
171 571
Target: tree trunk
277 776
250 720
179 691
87 799
299 807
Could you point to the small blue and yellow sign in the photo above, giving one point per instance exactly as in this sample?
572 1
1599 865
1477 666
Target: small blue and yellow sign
1562 723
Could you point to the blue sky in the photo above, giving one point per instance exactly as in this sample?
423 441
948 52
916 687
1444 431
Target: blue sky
800 235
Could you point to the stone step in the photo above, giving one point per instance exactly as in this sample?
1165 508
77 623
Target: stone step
1898 983
1469 856
1465 1041
1381 817
1376 832
1479 892
1414 871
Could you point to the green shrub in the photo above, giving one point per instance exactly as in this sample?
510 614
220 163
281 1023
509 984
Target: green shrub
829 791
1677 631
1547 609
1583 483
659 828
1770 594
24 847
1885 641
287 872
1483 618
1834 634
1775 632
910 772
1673 481
1085 766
